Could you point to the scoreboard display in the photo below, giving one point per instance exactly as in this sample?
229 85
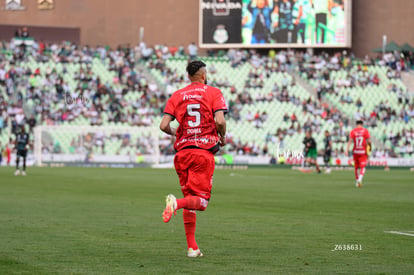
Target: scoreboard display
275 23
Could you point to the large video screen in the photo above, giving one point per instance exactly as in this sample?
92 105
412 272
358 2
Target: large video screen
275 23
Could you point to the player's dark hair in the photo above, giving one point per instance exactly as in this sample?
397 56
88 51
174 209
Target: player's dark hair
359 122
194 66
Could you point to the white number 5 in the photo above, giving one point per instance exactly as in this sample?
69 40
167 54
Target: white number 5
191 111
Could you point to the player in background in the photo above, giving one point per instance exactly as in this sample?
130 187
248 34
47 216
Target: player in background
362 146
328 151
311 153
199 110
22 145
9 149
1 153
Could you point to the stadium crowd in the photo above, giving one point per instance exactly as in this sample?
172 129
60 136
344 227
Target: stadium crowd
99 102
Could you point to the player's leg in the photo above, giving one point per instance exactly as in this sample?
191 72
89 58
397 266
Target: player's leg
192 203
356 168
356 171
306 162
356 165
327 159
17 164
313 155
195 170
315 161
361 174
24 164
362 164
185 161
8 156
190 218
181 167
310 162
200 176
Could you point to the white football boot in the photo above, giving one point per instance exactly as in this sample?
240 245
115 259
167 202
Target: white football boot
194 253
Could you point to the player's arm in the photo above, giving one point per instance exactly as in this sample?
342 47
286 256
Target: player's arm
369 148
219 108
165 125
348 145
368 138
221 126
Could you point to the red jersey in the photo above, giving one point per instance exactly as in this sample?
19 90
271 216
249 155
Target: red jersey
360 136
194 107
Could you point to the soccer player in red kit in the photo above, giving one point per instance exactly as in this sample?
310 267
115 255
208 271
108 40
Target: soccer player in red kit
199 109
362 145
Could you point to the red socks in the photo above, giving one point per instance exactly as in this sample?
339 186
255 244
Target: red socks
192 203
362 173
189 217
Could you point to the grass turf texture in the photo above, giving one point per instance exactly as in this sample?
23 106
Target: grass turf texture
270 221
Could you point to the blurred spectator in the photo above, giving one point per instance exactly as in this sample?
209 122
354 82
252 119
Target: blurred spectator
192 51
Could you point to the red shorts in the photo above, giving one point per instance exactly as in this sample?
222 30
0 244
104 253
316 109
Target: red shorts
360 161
195 168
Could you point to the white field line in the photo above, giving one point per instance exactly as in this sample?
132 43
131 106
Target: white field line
400 233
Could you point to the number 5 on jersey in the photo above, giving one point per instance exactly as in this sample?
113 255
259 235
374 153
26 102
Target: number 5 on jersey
192 110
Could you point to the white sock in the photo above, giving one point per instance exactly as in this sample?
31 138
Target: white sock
360 177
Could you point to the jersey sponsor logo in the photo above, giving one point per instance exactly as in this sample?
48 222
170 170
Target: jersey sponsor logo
189 97
182 141
202 140
212 140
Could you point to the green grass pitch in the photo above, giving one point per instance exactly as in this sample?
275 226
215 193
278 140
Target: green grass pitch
259 221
